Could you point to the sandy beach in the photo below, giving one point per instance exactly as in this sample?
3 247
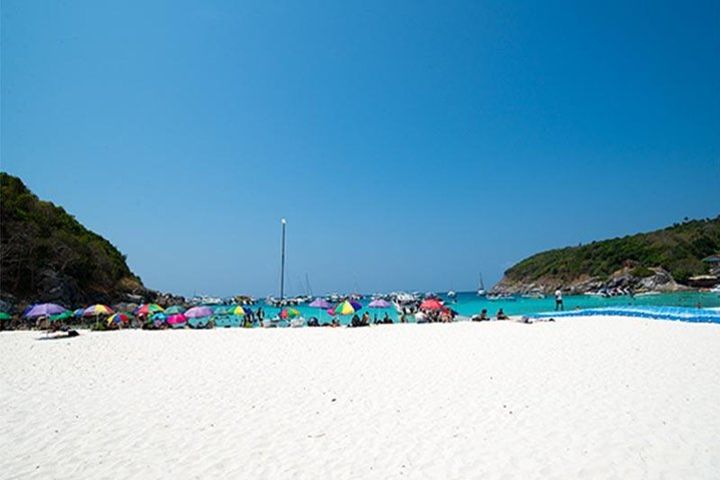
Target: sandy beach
578 398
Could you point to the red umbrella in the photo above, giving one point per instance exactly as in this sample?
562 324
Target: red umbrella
431 304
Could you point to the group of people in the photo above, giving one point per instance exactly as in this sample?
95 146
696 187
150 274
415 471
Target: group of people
364 321
444 315
483 316
314 322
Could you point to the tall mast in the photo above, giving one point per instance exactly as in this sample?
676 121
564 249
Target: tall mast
282 262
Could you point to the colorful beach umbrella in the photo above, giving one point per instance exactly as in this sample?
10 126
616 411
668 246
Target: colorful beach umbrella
175 309
287 313
44 310
345 308
238 310
431 304
5 316
176 320
118 319
149 309
320 303
199 312
158 318
97 310
379 303
78 313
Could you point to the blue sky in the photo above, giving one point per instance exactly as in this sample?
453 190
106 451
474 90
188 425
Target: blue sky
411 145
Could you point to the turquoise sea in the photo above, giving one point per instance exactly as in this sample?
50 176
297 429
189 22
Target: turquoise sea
468 303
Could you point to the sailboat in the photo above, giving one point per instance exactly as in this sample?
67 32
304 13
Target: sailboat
481 288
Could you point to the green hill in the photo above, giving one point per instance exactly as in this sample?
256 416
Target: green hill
47 255
678 249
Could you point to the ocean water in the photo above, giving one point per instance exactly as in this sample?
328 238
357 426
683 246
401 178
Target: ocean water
468 304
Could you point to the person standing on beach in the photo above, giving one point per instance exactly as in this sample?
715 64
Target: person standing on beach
559 300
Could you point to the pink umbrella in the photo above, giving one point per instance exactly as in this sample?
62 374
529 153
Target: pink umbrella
199 312
431 304
320 303
177 320
379 303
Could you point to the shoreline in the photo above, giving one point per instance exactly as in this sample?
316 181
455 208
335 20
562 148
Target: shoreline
582 397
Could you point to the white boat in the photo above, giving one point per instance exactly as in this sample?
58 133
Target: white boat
507 298
481 288
451 294
534 295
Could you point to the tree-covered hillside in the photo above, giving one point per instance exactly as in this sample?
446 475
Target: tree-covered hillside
678 249
45 254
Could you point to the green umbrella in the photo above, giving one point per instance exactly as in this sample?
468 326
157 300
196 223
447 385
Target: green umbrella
5 316
175 309
61 316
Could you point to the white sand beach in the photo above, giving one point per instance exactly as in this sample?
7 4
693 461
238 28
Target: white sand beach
579 398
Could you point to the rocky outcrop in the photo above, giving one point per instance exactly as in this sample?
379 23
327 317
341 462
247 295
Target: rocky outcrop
656 279
662 260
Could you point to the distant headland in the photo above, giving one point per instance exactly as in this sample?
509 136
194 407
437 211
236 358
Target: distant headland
679 257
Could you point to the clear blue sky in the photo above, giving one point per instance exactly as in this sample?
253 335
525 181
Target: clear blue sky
411 145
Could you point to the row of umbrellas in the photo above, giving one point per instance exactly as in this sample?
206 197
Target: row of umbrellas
177 314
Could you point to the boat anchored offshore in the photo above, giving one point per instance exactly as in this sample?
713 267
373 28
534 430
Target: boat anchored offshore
481 288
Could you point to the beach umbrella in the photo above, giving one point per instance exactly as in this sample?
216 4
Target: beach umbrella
61 316
78 313
238 310
379 303
287 313
44 310
5 316
199 312
157 319
176 320
149 309
320 303
431 304
118 319
345 308
175 309
97 310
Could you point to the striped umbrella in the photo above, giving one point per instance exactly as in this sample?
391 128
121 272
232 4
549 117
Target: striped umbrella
238 310
148 309
97 310
345 308
287 313
119 319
